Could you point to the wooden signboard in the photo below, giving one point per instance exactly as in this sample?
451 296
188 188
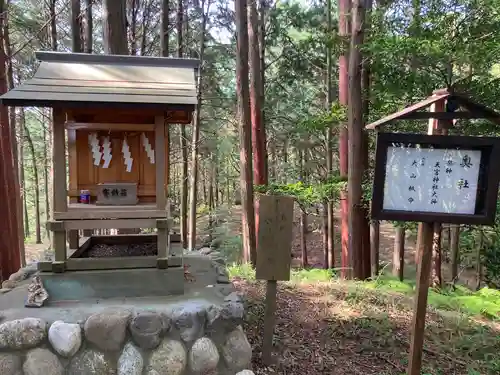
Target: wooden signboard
274 249
431 178
274 240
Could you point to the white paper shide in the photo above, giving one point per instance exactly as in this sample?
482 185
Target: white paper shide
431 180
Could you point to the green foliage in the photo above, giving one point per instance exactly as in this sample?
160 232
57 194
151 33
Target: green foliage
485 302
470 239
306 194
245 271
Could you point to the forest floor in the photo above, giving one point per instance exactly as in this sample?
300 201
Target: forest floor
333 327
328 326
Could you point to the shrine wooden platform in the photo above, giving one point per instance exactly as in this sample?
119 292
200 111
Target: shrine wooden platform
80 211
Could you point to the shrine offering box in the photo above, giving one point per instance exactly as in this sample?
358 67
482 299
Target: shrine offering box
117 194
433 178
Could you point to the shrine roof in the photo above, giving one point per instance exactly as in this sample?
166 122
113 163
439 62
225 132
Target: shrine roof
76 79
474 110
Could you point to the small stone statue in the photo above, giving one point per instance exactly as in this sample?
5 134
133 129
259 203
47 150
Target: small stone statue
37 295
188 276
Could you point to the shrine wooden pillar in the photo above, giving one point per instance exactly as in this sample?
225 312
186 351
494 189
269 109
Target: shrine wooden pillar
162 226
59 189
73 238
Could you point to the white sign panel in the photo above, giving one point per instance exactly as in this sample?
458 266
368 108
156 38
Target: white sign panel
431 180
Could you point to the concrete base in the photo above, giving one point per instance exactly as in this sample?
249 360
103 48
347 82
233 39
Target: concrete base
82 285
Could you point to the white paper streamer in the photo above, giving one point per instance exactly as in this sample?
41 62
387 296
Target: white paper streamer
147 146
106 152
127 155
95 148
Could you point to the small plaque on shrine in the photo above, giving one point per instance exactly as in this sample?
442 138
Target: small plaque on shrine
431 178
116 194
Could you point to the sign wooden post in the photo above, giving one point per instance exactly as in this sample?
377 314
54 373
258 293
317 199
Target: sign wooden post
433 179
274 246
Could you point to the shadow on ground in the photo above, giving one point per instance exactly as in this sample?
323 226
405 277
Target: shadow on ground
330 328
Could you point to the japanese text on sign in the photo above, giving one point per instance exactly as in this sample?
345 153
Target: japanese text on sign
431 180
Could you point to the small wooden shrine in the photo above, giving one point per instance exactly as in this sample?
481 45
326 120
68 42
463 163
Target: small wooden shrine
110 115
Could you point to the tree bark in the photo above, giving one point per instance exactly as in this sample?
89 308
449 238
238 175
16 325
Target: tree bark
262 52
165 12
12 121
344 32
479 263
258 135
454 250
46 143
329 140
255 96
303 213
89 27
196 135
76 38
242 90
374 247
355 157
53 26
115 29
367 228
398 259
10 238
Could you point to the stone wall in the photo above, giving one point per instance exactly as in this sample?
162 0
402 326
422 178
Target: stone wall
189 339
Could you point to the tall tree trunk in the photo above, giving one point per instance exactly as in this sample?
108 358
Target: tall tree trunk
53 26
454 250
398 258
262 52
89 26
255 96
344 32
356 162
374 247
12 121
196 135
183 139
133 11
242 90
115 29
329 140
76 38
38 231
165 12
10 238
303 213
258 138
367 228
46 143
479 263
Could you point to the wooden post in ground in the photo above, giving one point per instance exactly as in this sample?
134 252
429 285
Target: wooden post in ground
420 307
273 257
